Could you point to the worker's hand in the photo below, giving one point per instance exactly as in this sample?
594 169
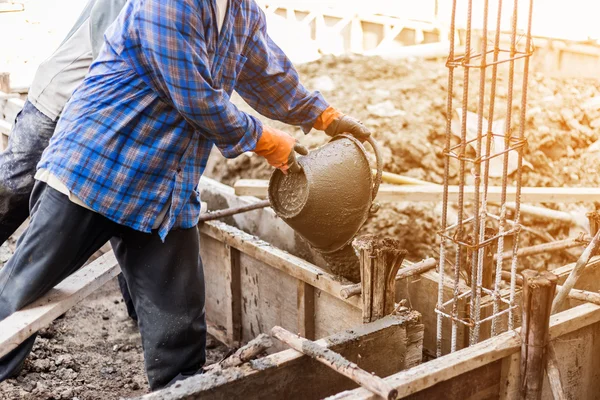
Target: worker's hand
279 149
333 122
347 124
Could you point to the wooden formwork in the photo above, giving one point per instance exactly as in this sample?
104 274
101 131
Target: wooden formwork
382 347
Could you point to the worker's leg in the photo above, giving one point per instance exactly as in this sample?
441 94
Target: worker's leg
28 139
61 236
127 297
166 283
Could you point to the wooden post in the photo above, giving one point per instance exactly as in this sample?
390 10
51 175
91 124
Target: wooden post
538 292
5 82
306 310
380 259
234 293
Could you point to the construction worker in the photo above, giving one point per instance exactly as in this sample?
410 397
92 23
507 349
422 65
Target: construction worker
54 82
126 158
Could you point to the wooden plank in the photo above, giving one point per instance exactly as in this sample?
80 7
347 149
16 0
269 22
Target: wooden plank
22 324
215 261
234 293
489 351
288 374
433 193
578 362
306 310
333 316
267 299
278 259
509 377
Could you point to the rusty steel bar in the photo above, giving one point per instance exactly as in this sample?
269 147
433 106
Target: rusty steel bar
444 242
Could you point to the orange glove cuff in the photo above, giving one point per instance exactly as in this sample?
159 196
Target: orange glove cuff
275 146
326 118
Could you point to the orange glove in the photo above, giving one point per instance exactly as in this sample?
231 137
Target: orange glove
277 147
334 122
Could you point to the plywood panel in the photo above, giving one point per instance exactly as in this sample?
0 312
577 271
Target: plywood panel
215 259
333 315
268 298
577 353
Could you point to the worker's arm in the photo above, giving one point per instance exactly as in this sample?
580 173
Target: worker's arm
102 15
167 48
270 84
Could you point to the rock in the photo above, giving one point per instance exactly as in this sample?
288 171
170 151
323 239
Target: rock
66 374
116 347
66 394
385 109
107 370
41 365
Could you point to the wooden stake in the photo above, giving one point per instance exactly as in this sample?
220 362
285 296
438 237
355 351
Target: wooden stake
335 361
380 259
254 348
554 374
538 291
573 277
415 269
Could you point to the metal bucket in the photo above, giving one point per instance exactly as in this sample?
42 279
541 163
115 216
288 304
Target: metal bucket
329 200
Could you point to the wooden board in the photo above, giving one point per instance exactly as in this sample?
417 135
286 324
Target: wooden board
268 299
434 193
22 324
579 364
215 261
459 365
289 374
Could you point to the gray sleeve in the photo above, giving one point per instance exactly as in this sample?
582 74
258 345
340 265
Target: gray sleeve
103 14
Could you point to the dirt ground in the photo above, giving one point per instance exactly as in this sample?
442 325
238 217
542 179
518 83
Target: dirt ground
404 103
94 352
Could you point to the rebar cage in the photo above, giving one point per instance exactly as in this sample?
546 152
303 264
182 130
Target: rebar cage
477 238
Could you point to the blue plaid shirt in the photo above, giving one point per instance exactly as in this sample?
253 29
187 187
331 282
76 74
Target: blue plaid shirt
137 133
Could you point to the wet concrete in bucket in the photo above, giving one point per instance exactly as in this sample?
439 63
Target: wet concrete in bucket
328 202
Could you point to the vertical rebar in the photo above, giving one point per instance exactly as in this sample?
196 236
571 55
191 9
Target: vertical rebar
477 256
522 122
461 183
507 137
444 242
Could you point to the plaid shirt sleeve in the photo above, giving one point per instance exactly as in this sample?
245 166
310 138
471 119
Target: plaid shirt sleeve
269 83
171 55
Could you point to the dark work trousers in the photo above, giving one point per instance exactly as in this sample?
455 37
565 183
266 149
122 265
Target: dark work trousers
27 141
165 280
